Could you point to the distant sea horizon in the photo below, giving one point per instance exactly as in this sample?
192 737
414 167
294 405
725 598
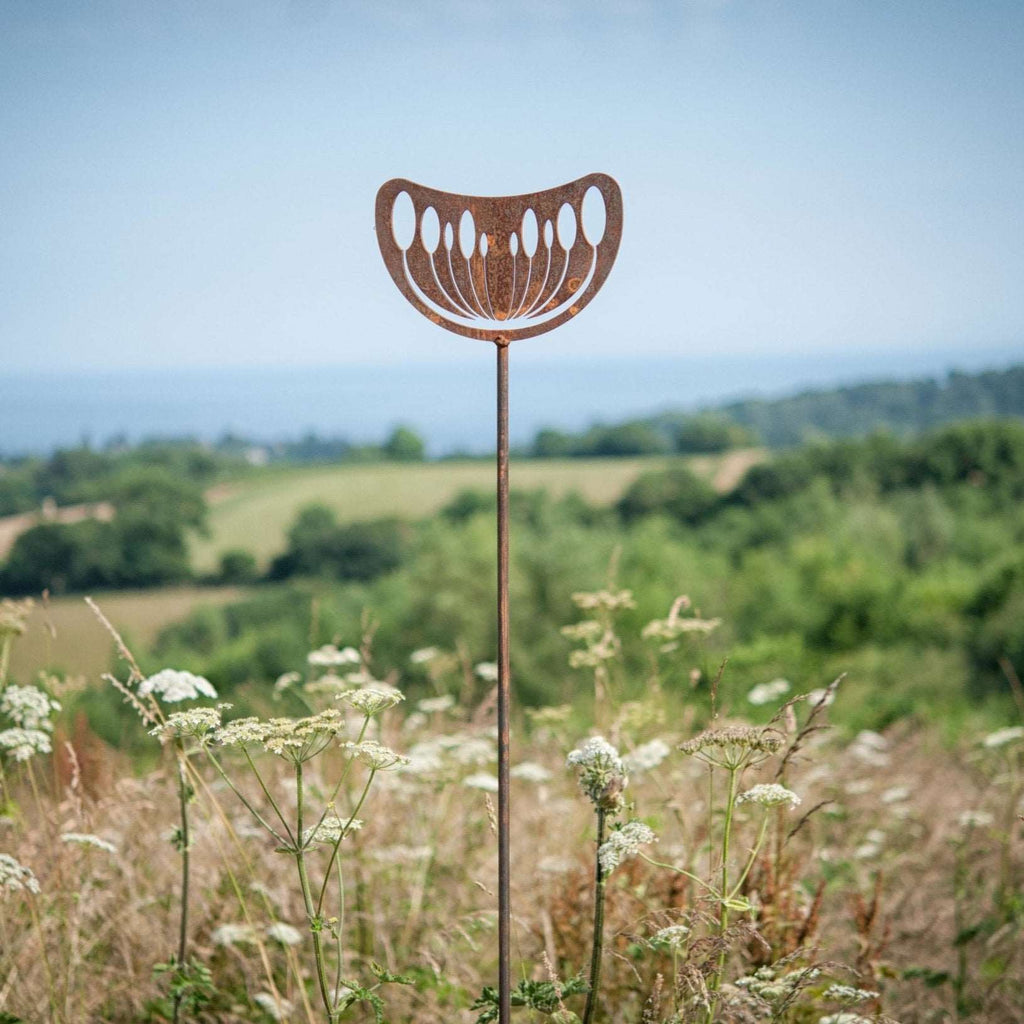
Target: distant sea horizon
451 404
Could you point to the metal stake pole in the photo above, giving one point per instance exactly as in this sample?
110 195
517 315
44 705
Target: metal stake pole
504 892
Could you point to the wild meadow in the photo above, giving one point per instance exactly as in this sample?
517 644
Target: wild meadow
768 761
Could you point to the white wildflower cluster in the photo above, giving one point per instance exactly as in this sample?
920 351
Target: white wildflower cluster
284 933
401 854
769 794
450 755
1003 737
667 630
14 616
196 723
595 654
275 1007
895 795
329 656
372 700
423 656
28 707
331 830
587 632
602 775
872 845
871 748
294 739
529 771
436 705
765 693
622 843
733 746
646 757
670 939
286 682
173 686
86 839
376 756
486 671
768 984
15 877
482 780
975 819
21 744
233 934
604 600
824 696
848 994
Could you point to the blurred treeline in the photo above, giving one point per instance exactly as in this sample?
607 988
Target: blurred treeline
900 563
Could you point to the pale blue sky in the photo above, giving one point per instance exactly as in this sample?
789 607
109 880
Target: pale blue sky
192 183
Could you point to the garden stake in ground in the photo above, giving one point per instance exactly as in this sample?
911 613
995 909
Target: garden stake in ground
498 268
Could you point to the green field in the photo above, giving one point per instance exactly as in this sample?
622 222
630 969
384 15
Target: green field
255 513
64 634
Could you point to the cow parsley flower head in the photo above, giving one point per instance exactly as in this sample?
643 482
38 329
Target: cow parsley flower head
529 771
646 757
588 631
284 933
15 877
848 994
769 794
28 707
487 671
670 939
436 705
733 746
1001 737
196 723
21 744
481 780
173 686
329 656
622 843
377 757
975 819
765 693
294 739
423 655
85 839
604 600
232 934
275 1007
602 775
331 830
371 700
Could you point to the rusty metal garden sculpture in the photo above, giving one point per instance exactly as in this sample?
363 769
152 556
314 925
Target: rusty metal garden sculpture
500 268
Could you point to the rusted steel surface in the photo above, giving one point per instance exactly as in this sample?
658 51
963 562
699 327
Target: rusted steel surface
498 268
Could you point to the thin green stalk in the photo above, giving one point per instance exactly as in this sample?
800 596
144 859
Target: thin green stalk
51 985
598 941
680 871
241 796
753 855
723 919
342 777
184 840
341 835
270 797
307 898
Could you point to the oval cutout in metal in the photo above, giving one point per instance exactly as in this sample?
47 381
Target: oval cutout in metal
449 236
566 226
530 233
549 233
467 234
513 244
430 230
594 215
403 221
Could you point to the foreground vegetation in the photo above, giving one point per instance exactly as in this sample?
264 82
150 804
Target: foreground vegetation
673 861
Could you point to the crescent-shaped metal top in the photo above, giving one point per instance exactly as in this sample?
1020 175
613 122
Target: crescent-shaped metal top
530 265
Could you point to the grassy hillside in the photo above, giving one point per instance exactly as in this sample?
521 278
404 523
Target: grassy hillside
255 513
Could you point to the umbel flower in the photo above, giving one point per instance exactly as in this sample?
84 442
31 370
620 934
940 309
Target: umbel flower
28 707
293 739
21 744
197 723
377 757
86 839
329 656
15 877
371 700
622 843
733 746
331 830
602 775
769 794
173 686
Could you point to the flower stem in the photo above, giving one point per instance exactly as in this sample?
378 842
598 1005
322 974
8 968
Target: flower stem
723 919
596 949
307 898
185 838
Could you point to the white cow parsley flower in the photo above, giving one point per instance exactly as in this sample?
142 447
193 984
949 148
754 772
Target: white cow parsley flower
172 686
624 842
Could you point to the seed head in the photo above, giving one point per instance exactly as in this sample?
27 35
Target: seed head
602 776
371 700
733 746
